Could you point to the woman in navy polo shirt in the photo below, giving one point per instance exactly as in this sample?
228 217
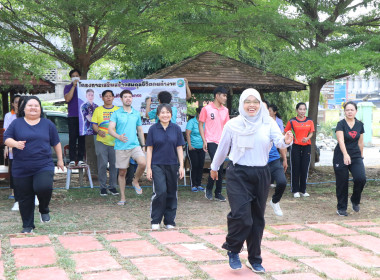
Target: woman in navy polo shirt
195 152
348 156
164 152
31 138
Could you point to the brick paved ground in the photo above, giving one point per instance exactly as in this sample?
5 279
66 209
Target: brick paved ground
344 250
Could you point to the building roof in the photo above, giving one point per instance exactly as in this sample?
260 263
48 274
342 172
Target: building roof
31 85
207 70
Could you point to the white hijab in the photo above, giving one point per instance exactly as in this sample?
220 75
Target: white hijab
244 126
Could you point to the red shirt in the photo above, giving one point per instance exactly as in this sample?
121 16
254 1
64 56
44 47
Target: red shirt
301 128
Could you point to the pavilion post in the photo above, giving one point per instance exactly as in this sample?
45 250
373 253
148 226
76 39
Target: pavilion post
5 104
229 100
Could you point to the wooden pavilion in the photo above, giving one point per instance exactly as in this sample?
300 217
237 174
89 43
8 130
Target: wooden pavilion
12 86
208 70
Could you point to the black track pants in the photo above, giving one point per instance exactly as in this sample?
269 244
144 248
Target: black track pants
164 197
197 161
247 191
278 175
299 165
211 148
341 175
40 184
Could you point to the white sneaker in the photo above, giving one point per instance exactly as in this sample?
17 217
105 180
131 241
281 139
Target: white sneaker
276 208
15 207
296 195
305 194
170 227
36 201
72 163
81 163
272 185
155 226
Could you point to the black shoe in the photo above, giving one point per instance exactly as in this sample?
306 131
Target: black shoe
113 191
27 230
234 260
45 218
208 194
342 212
220 197
355 207
103 192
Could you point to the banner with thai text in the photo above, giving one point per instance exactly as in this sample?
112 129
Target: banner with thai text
90 97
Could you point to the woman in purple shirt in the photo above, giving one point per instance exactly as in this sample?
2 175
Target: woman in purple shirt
31 138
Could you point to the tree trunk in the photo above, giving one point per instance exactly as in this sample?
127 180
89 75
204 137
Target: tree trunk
315 87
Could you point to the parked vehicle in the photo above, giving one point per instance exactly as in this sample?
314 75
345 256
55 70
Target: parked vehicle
60 120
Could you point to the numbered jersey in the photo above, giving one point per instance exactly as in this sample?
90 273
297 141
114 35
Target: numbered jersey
214 119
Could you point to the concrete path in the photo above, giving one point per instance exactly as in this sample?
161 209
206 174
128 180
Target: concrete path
344 250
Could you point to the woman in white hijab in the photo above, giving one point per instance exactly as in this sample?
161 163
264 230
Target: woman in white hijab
249 138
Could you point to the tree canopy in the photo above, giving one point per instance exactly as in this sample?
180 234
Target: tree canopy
79 33
317 40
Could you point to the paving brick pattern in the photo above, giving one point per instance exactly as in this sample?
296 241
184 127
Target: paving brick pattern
171 237
367 241
356 256
335 268
372 229
196 253
333 229
47 273
122 236
34 256
38 240
94 261
109 275
312 237
80 243
161 267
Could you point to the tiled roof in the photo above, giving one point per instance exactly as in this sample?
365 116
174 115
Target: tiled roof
208 69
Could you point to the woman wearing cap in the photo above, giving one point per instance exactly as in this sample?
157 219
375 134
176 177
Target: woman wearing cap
249 136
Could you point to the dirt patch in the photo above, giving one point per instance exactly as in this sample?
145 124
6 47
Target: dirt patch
83 209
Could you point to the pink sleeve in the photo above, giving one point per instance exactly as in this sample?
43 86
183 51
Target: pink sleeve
203 115
227 118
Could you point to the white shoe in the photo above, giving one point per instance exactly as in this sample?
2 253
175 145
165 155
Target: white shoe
81 163
170 227
155 226
276 208
15 207
36 201
72 163
305 194
296 195
272 185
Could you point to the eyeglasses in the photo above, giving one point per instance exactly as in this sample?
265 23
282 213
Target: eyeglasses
248 102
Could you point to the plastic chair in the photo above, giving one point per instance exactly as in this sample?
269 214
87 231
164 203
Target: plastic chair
80 169
4 172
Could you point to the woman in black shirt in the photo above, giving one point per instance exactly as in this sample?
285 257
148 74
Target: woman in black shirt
348 156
